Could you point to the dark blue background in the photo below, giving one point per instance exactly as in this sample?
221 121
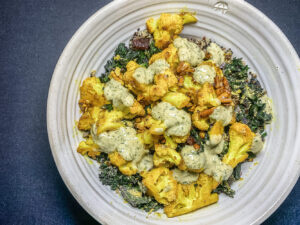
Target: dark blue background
32 37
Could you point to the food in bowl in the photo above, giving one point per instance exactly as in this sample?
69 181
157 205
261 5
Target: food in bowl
172 118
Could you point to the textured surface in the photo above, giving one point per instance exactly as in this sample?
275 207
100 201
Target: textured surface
33 35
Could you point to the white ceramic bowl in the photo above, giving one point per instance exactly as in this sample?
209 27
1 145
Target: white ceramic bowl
250 35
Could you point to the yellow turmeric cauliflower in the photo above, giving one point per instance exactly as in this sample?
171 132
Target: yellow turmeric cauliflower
190 197
91 94
167 26
177 99
165 156
241 138
161 185
109 120
149 92
88 118
88 147
127 168
169 54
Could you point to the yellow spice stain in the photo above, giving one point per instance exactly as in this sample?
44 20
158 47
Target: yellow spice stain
75 130
89 161
255 164
158 215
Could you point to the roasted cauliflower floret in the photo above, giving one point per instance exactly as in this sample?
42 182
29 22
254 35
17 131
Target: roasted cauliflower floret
116 159
207 97
167 26
127 168
85 122
165 156
155 127
202 123
169 54
88 118
241 138
161 185
108 121
91 94
170 142
88 147
147 138
149 92
216 133
137 109
190 197
177 99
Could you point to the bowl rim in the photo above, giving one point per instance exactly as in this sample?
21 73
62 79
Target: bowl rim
65 55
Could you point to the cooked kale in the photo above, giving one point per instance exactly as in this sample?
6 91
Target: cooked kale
224 187
251 156
196 136
237 171
108 107
111 176
200 141
250 109
126 54
236 73
225 149
137 199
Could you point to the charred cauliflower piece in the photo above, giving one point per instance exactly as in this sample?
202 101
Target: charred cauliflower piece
91 94
108 121
88 147
190 197
161 185
165 156
241 138
167 26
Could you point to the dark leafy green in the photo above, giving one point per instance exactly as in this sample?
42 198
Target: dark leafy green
237 171
108 107
250 109
137 199
126 54
111 176
224 187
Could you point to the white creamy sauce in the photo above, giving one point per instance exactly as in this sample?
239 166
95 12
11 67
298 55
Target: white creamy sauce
215 167
265 99
122 140
119 95
178 122
215 139
146 75
223 114
146 163
257 144
215 145
217 54
204 73
192 158
207 160
188 51
184 177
